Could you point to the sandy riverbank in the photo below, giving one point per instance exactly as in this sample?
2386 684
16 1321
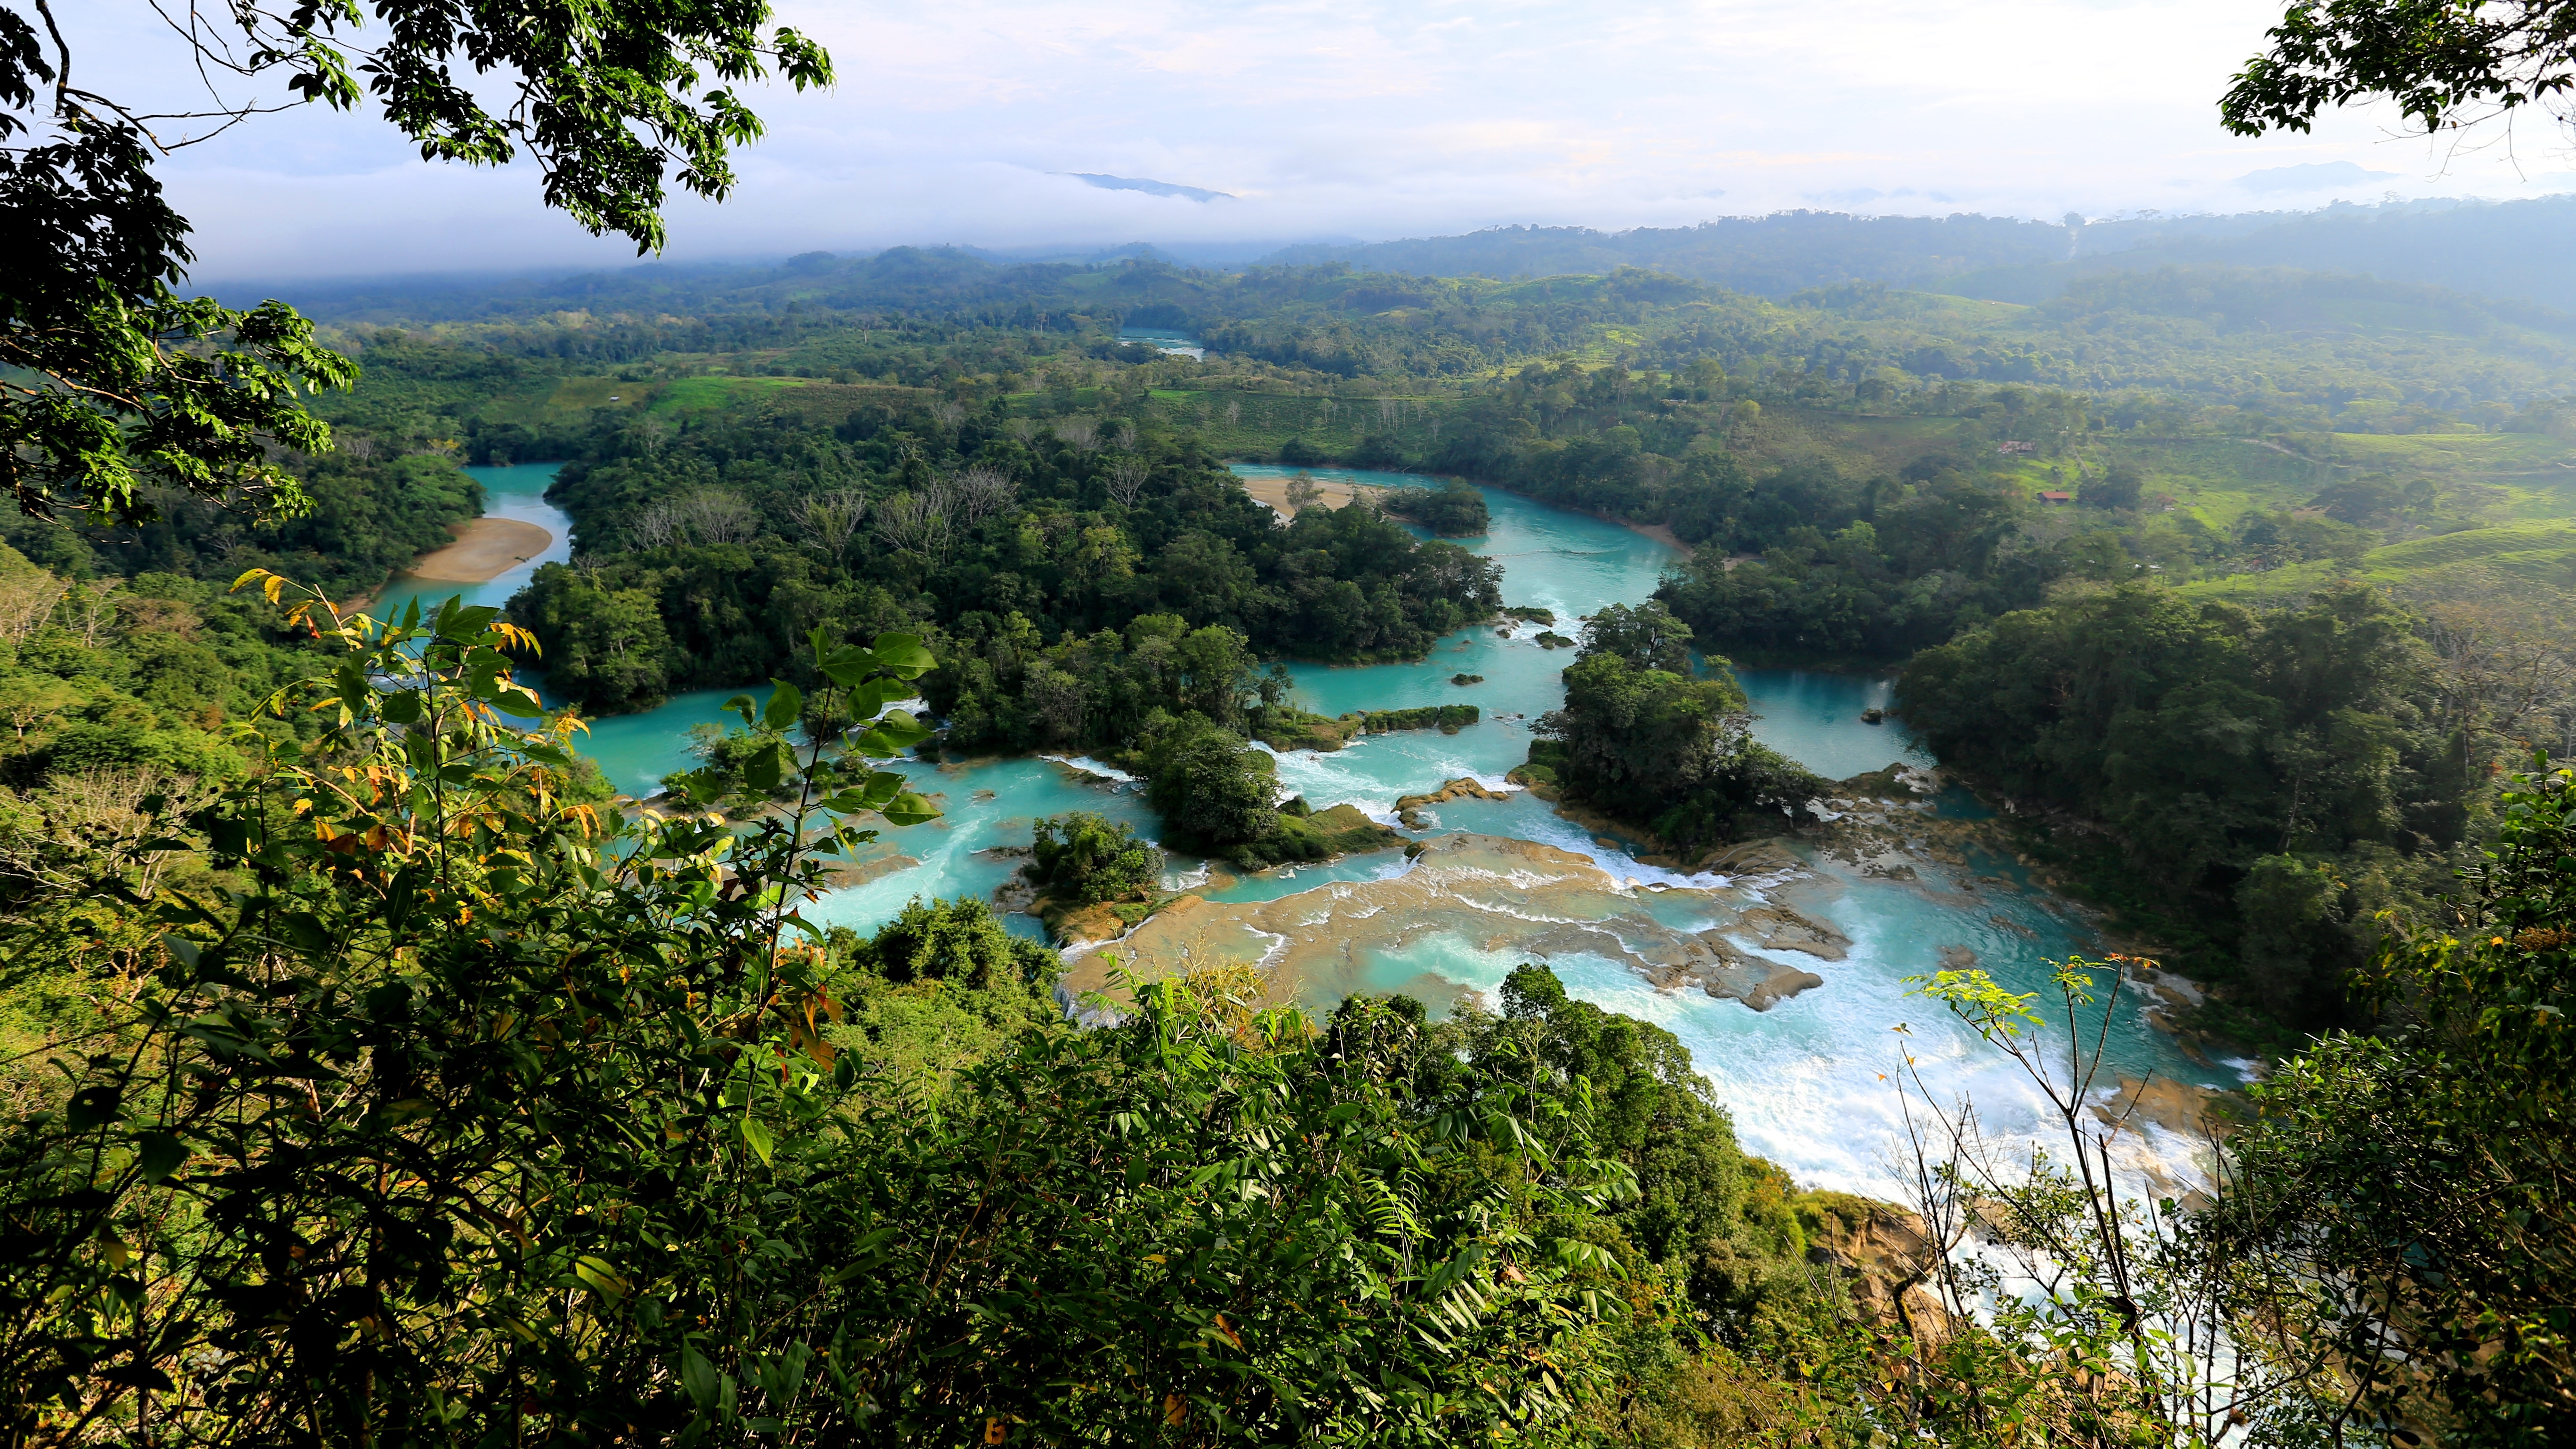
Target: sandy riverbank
1334 493
485 549
1329 493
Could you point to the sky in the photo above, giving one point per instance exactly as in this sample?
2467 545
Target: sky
964 122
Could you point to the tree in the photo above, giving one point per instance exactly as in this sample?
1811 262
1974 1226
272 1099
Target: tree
2448 64
1083 859
530 1072
1668 752
2118 488
112 385
2417 1180
1636 738
959 942
607 649
2112 1324
1647 636
1453 510
1211 787
1126 476
471 1114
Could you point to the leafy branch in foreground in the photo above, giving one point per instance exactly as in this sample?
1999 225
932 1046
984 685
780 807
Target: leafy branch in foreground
2421 1178
111 384
459 1108
2091 1316
464 1112
2438 59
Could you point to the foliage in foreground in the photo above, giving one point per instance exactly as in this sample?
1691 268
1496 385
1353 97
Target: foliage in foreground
451 1108
470 1112
2427 1172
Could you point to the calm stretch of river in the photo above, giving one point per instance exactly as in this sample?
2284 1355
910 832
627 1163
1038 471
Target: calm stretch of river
1803 1079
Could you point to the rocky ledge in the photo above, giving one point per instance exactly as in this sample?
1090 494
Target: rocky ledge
1492 895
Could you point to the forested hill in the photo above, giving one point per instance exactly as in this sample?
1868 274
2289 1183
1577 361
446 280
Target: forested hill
2502 250
1770 256
2511 250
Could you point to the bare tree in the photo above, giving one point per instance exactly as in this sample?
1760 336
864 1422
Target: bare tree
1080 434
1234 410
948 413
88 610
1126 477
829 519
1127 436
27 599
656 527
982 491
84 823
711 517
1022 429
708 516
913 523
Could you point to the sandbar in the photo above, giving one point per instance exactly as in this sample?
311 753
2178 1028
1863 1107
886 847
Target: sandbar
485 549
1329 493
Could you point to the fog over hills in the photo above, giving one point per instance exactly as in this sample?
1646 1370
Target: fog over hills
2505 251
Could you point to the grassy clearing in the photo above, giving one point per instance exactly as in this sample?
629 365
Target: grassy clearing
714 394
2536 561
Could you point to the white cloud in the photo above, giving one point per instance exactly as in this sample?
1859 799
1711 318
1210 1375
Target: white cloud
1370 119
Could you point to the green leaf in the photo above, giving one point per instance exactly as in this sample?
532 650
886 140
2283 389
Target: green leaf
870 697
903 656
757 1138
518 702
786 702
848 665
764 770
462 623
909 809
600 1274
159 1154
89 1108
744 705
697 1376
892 735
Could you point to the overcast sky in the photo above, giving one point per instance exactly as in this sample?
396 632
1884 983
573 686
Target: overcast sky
1348 119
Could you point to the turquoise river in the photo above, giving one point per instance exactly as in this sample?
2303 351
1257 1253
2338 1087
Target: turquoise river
1811 1081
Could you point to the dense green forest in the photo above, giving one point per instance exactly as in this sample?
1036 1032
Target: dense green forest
375 1076
2273 663
445 1034
927 441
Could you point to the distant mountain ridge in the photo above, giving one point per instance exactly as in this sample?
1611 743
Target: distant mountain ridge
2507 253
2502 250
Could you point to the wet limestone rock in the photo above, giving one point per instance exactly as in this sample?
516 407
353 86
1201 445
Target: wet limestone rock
1715 965
1883 1255
1777 928
1458 789
1480 892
